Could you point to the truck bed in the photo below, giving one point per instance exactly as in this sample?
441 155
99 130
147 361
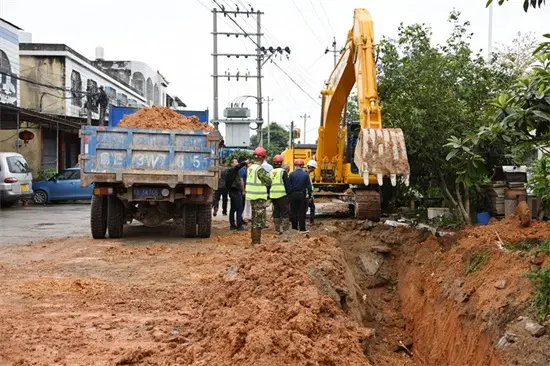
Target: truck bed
148 156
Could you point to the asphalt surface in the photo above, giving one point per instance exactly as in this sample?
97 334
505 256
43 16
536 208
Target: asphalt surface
22 224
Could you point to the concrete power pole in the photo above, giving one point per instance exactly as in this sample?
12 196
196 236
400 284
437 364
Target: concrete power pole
268 123
229 14
334 50
238 119
305 117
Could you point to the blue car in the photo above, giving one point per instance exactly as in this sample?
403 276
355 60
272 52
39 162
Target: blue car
64 186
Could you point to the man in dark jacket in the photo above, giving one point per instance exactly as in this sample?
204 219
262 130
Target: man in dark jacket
235 186
222 191
300 192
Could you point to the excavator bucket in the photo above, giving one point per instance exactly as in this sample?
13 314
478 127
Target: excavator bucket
382 153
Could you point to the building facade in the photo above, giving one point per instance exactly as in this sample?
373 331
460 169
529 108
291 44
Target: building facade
9 63
52 80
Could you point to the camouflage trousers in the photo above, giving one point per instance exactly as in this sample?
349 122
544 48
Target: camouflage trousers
259 217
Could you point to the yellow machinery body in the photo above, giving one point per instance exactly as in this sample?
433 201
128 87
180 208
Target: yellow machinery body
355 175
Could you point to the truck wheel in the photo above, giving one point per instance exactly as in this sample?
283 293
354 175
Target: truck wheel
115 218
98 217
190 221
204 218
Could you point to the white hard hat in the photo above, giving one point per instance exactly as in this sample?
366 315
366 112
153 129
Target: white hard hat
312 163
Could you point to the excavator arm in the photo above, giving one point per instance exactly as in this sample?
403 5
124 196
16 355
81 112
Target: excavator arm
379 152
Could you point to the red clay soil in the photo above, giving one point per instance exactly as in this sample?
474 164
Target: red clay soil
451 302
151 301
163 118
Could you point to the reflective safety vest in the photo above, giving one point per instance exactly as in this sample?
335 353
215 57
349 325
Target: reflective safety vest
255 189
310 181
277 185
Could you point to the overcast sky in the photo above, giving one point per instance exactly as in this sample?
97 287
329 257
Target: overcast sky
174 37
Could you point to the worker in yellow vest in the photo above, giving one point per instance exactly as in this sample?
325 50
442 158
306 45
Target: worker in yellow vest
280 186
258 183
311 166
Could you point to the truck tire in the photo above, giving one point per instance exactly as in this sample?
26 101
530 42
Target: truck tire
98 217
115 218
204 221
190 221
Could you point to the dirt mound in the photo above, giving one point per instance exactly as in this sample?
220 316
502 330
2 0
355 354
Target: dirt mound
266 310
524 214
163 118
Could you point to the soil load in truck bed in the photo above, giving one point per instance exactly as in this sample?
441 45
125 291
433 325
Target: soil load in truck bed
164 119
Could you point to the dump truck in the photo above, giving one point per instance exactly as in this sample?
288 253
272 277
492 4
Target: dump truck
151 176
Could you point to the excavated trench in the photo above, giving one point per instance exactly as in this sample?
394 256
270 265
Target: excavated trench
416 317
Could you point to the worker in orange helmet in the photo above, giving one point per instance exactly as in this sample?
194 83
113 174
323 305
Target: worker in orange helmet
300 192
280 187
258 184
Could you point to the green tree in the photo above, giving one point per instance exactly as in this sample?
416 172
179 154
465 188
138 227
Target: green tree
352 109
433 92
526 3
524 111
518 56
279 139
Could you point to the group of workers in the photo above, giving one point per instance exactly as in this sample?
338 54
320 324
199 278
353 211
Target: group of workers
291 193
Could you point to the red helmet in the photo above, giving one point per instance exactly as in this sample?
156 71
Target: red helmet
299 162
260 151
278 159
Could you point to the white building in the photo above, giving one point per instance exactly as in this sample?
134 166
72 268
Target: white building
9 63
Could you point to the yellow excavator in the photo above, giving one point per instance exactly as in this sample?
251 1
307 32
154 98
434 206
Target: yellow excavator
355 158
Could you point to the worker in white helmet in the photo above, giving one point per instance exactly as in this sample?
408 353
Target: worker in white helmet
311 166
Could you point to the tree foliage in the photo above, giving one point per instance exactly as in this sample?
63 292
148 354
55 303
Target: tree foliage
433 92
518 56
524 111
279 139
526 3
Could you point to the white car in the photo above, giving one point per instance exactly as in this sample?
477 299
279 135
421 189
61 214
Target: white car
15 179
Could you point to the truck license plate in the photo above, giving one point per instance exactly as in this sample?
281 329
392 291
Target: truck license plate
24 188
147 192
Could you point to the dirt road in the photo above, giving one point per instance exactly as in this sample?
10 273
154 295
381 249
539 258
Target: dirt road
348 293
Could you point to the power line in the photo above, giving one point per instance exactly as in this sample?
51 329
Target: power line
326 16
277 65
306 22
295 83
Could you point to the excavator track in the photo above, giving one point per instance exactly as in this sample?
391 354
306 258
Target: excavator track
367 205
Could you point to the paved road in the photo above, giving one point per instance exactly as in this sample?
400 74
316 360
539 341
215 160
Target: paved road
32 223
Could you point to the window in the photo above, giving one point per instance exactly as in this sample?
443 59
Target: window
122 100
4 62
76 88
156 96
67 175
17 165
138 82
150 92
92 88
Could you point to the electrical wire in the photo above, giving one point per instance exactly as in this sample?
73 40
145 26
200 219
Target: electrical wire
318 17
306 22
277 65
326 16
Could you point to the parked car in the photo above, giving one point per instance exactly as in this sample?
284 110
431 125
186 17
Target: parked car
64 186
15 179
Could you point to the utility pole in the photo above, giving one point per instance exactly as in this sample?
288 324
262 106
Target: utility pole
259 72
291 135
268 124
215 71
305 117
335 51
490 34
235 120
89 105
